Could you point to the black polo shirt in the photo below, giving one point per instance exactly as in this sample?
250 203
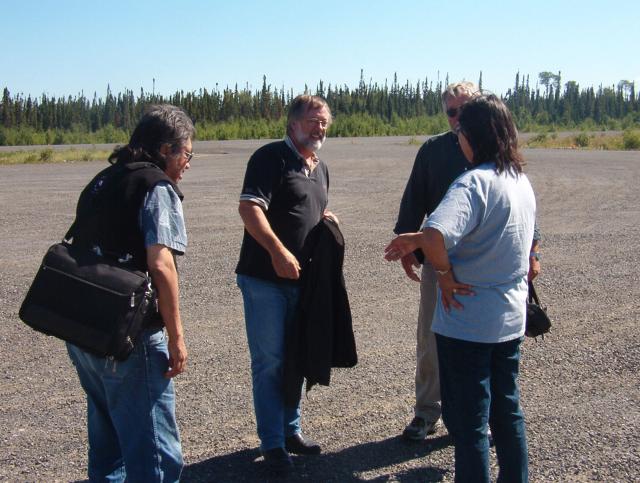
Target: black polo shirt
294 203
438 163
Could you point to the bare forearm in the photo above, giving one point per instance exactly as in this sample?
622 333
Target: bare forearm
534 260
165 279
436 252
433 247
256 223
431 242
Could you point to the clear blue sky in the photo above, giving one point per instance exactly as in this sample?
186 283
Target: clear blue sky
62 47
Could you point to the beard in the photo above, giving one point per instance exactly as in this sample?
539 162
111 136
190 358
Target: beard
314 144
307 141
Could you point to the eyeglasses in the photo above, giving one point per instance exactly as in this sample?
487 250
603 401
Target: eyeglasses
188 155
322 122
452 111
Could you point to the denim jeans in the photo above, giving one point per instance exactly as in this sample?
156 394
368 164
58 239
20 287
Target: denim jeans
131 421
269 309
478 385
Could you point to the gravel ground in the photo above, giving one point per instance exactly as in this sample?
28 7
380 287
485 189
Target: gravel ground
579 386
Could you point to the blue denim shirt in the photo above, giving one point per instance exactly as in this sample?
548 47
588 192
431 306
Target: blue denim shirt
487 222
162 219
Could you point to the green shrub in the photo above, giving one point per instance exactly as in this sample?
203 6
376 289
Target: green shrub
58 138
46 155
24 137
631 139
582 140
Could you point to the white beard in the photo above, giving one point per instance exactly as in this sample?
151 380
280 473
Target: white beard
312 145
315 144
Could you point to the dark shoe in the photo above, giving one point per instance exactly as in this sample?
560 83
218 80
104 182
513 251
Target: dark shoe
278 461
298 444
418 429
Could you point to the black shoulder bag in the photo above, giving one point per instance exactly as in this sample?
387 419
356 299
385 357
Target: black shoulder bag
538 322
89 300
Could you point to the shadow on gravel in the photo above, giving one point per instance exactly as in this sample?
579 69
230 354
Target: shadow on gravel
364 462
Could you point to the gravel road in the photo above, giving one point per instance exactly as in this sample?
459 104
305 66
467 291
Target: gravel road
580 386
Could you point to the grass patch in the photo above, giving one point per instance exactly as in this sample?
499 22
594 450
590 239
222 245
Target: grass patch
629 140
49 155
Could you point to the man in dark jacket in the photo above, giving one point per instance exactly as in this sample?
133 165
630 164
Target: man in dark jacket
133 210
438 162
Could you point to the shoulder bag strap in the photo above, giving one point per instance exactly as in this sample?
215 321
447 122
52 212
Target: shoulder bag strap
533 296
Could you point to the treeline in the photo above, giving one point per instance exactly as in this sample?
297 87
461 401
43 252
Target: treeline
366 110
550 103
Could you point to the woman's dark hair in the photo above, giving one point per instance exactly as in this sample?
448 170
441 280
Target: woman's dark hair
160 124
488 126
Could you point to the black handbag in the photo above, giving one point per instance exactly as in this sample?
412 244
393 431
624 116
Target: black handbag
538 322
89 300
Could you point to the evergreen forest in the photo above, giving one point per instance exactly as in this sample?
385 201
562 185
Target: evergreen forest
542 104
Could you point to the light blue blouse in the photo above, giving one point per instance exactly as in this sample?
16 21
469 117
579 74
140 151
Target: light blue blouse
487 222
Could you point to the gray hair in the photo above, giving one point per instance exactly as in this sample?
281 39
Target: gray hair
301 104
457 89
161 124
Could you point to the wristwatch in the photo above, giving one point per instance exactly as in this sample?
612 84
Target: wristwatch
535 255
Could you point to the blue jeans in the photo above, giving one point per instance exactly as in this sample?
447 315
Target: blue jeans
269 309
478 385
131 421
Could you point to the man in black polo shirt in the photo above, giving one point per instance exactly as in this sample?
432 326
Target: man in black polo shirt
284 195
438 163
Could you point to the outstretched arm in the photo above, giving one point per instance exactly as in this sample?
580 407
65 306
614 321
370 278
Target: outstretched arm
431 242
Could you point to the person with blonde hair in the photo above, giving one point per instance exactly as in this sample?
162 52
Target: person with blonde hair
438 163
478 241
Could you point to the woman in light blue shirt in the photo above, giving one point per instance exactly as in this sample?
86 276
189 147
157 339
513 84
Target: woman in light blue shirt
478 240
